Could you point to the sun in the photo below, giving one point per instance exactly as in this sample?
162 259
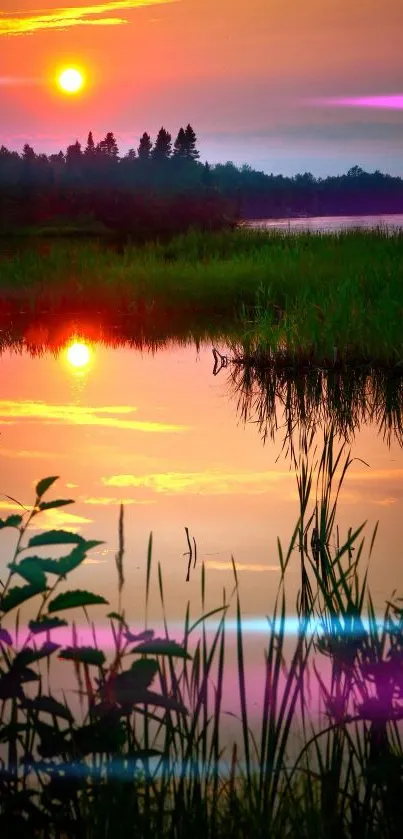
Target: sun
78 354
71 80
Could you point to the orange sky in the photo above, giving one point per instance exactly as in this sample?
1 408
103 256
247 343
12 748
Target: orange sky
239 72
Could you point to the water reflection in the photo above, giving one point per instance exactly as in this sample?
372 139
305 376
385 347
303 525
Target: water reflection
78 354
278 398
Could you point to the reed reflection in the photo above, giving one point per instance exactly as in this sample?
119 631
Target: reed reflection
279 397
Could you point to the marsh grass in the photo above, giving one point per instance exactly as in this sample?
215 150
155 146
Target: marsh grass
334 298
149 761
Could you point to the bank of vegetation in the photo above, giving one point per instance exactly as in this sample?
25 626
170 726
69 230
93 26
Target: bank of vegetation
303 300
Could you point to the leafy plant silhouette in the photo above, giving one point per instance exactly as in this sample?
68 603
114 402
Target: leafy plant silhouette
48 760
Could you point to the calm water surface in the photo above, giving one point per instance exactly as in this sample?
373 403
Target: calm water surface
330 224
164 436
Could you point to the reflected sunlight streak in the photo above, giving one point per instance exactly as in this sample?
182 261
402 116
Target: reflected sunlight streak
213 483
81 415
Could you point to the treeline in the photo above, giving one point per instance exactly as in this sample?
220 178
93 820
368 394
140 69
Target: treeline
162 185
158 188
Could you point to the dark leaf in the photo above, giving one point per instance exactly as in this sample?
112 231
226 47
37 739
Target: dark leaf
59 502
73 599
115 616
5 637
29 655
30 570
10 686
46 624
48 705
167 702
84 655
11 731
102 736
10 683
147 635
11 521
55 537
16 596
43 485
162 646
130 688
62 566
53 743
27 675
144 671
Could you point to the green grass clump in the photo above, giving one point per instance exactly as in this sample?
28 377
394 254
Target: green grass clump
312 297
145 757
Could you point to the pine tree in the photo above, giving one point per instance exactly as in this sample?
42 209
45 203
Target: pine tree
145 147
90 147
108 147
58 159
131 155
73 153
190 144
163 145
28 153
180 144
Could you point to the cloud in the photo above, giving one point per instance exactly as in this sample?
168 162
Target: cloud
55 519
90 561
9 505
80 415
393 102
240 566
106 501
211 483
375 475
31 455
385 128
384 502
63 18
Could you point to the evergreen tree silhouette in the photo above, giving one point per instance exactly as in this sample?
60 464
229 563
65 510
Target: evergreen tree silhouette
190 144
180 144
28 153
73 153
90 147
163 146
145 147
108 147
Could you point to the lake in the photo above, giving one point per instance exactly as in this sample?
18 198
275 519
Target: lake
162 434
180 447
329 224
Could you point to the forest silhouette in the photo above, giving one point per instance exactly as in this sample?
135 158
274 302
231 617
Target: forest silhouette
163 187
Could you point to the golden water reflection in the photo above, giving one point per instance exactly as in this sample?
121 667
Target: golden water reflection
78 354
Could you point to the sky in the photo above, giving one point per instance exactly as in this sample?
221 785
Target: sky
284 87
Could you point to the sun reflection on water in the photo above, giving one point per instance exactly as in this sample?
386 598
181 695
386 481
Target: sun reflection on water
78 354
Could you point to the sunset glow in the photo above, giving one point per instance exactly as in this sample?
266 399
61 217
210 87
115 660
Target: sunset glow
224 66
71 80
